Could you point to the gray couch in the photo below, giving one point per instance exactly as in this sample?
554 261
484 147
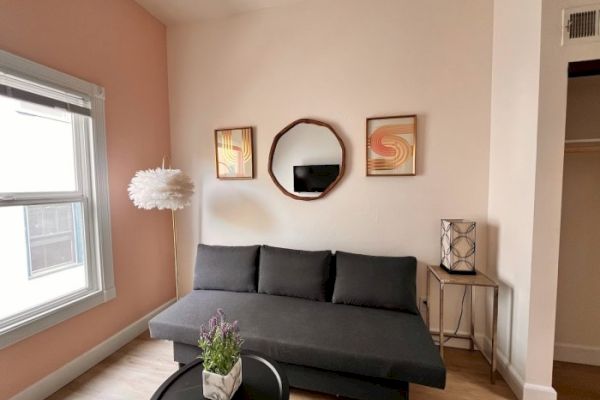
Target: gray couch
346 325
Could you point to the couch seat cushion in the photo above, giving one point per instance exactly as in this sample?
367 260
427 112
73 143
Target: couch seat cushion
344 338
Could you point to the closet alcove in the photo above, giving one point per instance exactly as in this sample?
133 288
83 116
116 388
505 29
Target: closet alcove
578 298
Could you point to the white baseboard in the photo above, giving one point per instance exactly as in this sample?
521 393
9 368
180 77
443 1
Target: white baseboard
511 376
575 353
523 390
538 392
67 373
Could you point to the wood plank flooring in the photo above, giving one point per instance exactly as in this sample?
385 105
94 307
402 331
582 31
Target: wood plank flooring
576 381
136 370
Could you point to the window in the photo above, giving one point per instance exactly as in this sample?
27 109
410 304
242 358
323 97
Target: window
54 237
55 250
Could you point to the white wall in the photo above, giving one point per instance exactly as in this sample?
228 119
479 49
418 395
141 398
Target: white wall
515 91
338 61
549 170
529 107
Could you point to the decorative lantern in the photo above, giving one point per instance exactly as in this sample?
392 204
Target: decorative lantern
458 246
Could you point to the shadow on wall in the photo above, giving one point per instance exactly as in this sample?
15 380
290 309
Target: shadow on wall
505 298
421 142
240 210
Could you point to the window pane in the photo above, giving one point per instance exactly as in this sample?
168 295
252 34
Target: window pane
41 255
59 253
53 235
36 148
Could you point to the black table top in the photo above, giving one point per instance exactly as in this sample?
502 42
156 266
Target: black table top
262 379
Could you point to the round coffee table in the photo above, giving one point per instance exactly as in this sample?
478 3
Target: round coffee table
262 379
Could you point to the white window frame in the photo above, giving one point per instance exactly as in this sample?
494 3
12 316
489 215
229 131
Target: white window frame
101 287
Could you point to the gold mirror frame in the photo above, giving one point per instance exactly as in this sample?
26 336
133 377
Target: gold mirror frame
274 146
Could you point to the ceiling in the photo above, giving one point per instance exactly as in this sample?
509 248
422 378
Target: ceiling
174 12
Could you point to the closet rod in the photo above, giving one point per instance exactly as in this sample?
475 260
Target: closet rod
582 141
582 146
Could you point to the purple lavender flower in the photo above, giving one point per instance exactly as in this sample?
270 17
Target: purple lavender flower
220 342
225 330
212 323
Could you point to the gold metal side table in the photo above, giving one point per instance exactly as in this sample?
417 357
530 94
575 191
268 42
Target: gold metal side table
479 279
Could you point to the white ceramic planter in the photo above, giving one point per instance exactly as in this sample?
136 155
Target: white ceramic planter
222 387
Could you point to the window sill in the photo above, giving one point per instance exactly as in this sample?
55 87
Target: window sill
22 330
50 270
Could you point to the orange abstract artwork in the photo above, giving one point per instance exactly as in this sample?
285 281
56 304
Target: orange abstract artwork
234 153
391 145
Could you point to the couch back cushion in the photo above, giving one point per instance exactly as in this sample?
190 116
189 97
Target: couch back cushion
294 273
230 268
383 282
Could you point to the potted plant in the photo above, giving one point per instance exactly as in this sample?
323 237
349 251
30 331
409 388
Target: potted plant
221 343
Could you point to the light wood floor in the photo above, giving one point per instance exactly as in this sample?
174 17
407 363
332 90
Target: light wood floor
135 371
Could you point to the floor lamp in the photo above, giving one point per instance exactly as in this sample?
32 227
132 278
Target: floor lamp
164 189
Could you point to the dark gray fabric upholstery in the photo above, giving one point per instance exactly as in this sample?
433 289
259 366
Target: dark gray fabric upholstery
346 386
370 281
230 268
364 341
295 273
318 380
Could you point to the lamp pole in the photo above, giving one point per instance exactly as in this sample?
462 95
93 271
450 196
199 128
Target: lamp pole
175 255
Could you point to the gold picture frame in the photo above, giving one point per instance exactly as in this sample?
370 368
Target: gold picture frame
234 153
391 148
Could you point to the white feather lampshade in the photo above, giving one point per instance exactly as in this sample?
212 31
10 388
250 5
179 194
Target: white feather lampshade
161 188
165 189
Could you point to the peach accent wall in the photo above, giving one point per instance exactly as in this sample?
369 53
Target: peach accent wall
116 44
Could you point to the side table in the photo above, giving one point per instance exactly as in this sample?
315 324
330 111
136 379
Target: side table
479 279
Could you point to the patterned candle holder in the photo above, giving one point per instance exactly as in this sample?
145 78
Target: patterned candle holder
458 246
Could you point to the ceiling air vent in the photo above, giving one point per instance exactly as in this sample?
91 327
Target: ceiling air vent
581 24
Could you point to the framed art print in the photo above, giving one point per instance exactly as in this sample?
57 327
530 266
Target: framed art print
391 145
234 153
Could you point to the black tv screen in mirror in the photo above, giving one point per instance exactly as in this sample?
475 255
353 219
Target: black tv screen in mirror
314 178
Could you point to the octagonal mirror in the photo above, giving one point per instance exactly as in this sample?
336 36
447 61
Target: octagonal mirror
307 159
